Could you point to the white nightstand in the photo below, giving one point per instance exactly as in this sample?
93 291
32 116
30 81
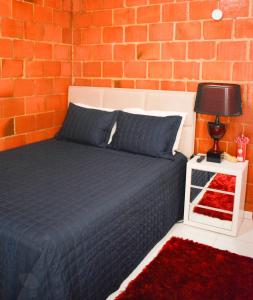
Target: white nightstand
215 195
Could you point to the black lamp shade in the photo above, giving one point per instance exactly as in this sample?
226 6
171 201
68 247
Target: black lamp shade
220 99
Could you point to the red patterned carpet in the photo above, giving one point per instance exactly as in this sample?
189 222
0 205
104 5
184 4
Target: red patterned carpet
185 270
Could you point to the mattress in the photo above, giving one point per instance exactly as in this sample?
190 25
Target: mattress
75 220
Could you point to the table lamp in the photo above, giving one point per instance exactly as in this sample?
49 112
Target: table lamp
219 99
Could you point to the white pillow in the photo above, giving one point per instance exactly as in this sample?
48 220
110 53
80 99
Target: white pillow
100 108
160 113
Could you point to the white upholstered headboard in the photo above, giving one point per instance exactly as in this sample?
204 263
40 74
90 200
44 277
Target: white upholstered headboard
146 99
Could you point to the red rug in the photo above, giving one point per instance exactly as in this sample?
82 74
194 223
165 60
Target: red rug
185 270
221 182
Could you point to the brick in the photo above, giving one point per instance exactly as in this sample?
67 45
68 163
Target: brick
23 49
23 87
123 84
6 87
34 69
43 86
218 30
174 50
66 69
235 8
124 16
186 70
12 107
44 120
25 124
112 69
136 2
94 4
160 70
102 52
13 142
113 34
62 52
42 14
173 85
232 50
136 33
102 18
5 48
37 136
173 12
244 28
113 4
6 127
82 20
55 103
12 68
53 3
148 51
43 51
251 50
188 30
92 69
91 35
52 68
61 85
67 35
147 84
34 31
5 8
22 10
35 104
243 71
124 52
12 28
216 71
161 32
59 117
148 14
77 69
102 82
202 9
201 50
62 18
52 33
135 69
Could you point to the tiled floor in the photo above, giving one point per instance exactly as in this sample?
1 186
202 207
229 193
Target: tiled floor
242 244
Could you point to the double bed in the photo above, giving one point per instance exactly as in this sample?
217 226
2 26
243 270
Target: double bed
76 219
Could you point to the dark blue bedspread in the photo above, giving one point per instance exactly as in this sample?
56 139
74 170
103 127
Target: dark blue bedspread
75 220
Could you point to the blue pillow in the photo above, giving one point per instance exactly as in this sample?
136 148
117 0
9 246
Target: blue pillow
149 135
87 126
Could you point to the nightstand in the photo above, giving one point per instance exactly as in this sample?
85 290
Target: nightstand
215 195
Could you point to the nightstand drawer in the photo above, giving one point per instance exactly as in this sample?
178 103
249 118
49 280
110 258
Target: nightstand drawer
215 195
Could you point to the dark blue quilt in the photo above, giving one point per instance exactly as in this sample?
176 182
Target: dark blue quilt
75 220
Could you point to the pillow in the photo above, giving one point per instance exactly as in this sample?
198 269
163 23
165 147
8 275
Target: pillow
149 135
160 113
87 126
100 108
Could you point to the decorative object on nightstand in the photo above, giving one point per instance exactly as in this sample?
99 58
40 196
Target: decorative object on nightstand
219 99
215 195
242 142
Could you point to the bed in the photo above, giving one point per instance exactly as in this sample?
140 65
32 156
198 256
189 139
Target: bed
76 219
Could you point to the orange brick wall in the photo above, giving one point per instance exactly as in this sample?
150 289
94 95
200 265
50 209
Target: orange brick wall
35 69
166 44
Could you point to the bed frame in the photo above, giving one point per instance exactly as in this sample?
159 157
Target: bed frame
118 98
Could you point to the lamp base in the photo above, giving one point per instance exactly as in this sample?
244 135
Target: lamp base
215 157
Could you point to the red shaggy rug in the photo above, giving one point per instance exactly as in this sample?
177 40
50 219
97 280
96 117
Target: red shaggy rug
185 270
